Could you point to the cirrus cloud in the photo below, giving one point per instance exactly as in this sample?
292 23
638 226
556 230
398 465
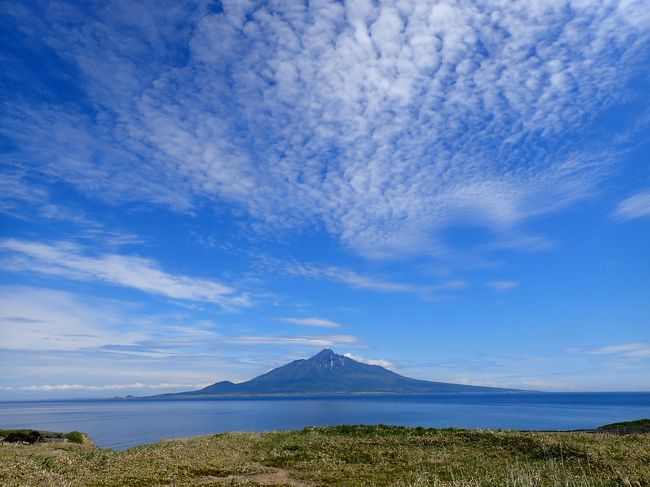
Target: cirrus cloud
635 206
313 321
68 260
502 286
100 387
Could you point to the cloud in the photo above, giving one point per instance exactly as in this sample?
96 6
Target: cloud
348 277
16 192
102 387
503 285
310 340
380 361
636 206
43 319
317 322
356 280
49 337
385 123
629 350
70 261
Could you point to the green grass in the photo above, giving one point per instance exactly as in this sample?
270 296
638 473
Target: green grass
343 456
627 427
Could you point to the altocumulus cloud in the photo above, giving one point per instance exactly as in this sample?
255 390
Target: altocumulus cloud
339 113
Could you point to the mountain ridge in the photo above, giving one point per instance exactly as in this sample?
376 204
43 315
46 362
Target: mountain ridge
328 373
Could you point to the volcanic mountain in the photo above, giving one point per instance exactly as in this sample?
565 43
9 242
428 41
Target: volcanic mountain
329 373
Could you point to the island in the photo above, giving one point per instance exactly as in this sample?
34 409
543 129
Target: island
328 373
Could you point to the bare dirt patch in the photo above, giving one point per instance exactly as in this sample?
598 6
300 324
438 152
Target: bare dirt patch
270 476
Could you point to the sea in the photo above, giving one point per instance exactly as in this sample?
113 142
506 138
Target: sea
121 424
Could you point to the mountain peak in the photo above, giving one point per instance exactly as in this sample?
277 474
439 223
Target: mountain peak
326 353
327 359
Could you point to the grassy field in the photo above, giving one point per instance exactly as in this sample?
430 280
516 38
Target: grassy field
627 427
342 456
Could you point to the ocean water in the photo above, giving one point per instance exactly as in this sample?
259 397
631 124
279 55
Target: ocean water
123 424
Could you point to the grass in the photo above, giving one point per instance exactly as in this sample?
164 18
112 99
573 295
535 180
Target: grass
627 427
343 456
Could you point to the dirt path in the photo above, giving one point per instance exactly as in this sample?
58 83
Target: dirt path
271 476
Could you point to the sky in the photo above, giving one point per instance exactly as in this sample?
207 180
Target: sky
199 191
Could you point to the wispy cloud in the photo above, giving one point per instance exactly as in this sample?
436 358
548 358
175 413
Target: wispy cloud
503 285
16 192
629 350
385 122
636 206
313 321
102 387
310 340
70 261
357 280
49 337
348 277
43 319
370 361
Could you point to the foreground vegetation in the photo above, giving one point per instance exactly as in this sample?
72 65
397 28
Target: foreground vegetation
342 456
35 436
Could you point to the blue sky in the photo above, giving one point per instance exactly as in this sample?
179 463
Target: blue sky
192 192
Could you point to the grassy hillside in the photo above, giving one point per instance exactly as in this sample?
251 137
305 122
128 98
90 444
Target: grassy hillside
627 427
343 456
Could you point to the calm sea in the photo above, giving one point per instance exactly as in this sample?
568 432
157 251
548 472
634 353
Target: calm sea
123 424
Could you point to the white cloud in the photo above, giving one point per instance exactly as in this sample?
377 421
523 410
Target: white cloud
503 285
636 206
313 321
17 192
69 260
49 337
310 340
631 350
385 122
380 361
368 282
43 319
349 278
102 387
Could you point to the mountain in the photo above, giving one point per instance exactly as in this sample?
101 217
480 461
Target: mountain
329 373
